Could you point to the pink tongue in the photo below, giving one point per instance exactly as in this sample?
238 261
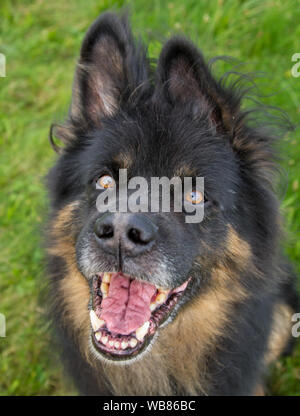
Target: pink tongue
127 305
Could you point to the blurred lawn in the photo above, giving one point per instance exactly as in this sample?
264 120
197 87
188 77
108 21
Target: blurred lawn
41 40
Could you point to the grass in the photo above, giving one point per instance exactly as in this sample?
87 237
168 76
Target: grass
41 41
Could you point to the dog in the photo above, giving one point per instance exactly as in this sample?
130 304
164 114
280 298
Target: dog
147 303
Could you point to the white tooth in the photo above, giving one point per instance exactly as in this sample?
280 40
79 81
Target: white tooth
104 295
104 340
152 306
95 321
117 344
104 288
111 343
106 278
160 298
98 336
133 342
124 345
142 331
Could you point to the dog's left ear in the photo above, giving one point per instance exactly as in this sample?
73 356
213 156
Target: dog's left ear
183 77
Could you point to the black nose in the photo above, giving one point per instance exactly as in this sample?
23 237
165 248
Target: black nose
135 233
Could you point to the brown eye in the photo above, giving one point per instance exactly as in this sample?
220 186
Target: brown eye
194 197
106 181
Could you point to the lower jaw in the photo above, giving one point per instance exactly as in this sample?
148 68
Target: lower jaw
159 318
106 354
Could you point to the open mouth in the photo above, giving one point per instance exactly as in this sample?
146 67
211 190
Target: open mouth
126 313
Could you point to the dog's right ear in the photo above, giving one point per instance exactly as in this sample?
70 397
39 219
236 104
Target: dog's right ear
101 77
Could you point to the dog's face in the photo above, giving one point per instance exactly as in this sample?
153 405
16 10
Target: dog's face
148 257
144 267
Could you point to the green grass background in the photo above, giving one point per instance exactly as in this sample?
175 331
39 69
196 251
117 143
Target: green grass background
41 40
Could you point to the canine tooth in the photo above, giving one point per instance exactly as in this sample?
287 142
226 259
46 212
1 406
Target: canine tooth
98 336
133 342
104 288
124 345
117 344
102 323
161 298
152 306
95 321
142 331
106 278
111 343
104 340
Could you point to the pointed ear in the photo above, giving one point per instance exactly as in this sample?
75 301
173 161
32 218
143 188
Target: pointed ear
101 75
184 77
113 69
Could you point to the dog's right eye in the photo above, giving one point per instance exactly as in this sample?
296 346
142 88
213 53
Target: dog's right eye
106 181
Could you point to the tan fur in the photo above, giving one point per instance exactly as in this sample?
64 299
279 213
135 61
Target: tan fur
104 95
259 391
279 337
239 249
73 290
61 227
194 334
124 160
184 171
280 332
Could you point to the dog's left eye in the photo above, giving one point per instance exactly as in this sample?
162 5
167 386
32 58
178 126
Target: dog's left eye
106 181
194 197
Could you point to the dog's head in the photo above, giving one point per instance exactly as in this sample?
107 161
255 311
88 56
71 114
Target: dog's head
143 268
